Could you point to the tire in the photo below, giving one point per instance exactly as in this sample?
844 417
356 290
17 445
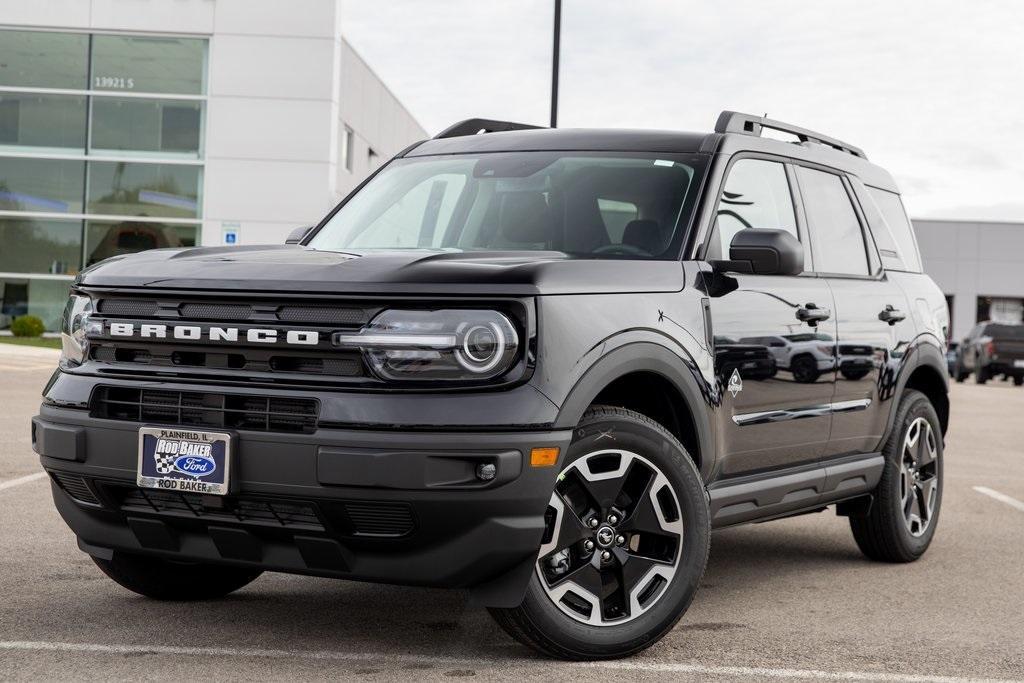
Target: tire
980 375
959 374
805 369
610 626
161 579
887 533
1018 380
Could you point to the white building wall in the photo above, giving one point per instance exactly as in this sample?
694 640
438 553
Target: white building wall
281 84
971 259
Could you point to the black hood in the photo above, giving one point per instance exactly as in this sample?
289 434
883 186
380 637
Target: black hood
293 268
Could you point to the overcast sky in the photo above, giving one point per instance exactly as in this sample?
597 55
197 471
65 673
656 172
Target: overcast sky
932 90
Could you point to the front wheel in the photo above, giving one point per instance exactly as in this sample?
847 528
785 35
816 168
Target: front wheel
901 522
162 579
626 543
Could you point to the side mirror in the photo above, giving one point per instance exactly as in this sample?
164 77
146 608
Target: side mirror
296 235
763 251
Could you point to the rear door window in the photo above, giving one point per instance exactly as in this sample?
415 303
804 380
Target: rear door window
836 235
894 235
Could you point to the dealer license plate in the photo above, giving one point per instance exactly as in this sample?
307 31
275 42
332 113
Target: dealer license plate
184 460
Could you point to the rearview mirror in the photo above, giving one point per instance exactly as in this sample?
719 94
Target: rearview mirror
296 235
763 251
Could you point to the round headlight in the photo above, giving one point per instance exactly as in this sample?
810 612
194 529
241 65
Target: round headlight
482 347
446 344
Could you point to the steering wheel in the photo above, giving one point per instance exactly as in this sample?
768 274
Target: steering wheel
622 249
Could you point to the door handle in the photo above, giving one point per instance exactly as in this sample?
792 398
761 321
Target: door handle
812 315
891 315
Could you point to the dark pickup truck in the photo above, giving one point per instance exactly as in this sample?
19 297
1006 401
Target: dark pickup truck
990 350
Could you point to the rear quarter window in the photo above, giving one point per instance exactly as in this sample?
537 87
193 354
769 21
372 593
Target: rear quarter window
892 231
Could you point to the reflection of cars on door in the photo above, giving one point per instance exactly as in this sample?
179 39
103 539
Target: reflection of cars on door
856 360
751 360
508 364
806 354
990 350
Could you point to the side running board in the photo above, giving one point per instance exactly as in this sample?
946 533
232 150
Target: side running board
779 493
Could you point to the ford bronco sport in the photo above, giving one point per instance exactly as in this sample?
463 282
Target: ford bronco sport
541 365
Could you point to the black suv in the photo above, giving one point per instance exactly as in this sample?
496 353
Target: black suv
541 365
990 350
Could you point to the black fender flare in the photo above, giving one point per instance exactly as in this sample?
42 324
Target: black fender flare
680 371
925 351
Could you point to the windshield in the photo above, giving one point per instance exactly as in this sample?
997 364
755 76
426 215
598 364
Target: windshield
600 205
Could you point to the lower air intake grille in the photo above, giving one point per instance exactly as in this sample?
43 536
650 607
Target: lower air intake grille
271 513
195 409
76 487
379 518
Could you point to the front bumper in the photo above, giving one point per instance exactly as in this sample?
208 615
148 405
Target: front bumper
388 506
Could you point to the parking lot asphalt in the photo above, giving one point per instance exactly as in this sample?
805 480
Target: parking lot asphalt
791 599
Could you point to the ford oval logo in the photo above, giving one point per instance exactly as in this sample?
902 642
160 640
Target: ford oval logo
195 466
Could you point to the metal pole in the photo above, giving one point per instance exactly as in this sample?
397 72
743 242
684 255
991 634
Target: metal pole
554 63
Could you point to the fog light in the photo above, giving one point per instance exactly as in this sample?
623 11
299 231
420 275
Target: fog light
486 471
544 457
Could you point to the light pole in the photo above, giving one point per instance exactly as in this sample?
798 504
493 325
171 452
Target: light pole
554 63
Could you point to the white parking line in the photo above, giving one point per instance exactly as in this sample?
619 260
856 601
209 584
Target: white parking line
11 483
1001 497
625 665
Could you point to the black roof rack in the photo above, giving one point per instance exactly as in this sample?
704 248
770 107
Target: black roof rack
748 124
475 126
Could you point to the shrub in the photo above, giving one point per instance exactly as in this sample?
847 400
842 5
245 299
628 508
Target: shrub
27 326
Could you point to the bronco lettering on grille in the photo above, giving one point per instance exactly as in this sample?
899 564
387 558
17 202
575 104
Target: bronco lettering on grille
215 334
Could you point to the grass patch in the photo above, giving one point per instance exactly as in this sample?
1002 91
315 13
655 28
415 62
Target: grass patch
45 342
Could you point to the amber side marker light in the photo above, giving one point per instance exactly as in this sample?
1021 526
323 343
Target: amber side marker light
543 457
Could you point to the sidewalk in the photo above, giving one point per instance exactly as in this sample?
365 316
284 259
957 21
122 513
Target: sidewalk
14 357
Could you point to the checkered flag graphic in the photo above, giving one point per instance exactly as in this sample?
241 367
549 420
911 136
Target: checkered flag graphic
164 463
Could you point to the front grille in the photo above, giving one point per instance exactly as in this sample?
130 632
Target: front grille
195 409
76 487
216 311
322 315
238 357
379 518
273 513
132 308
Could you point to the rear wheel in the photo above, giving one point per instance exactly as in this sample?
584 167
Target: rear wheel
626 544
901 522
162 579
980 375
1018 380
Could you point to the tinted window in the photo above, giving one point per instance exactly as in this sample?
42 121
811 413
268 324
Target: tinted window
896 234
49 121
31 245
43 185
835 231
756 195
587 206
148 64
41 59
1003 331
118 187
103 239
145 125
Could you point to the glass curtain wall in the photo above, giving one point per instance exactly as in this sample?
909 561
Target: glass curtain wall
101 149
